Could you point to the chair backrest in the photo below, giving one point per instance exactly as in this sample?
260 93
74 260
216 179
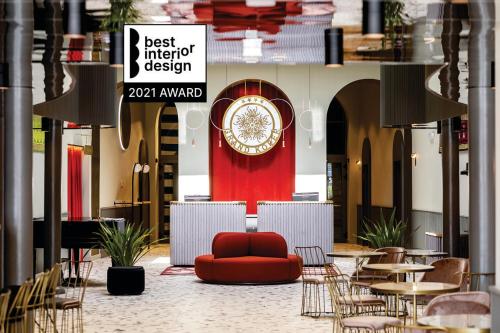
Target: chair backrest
448 270
476 302
54 279
340 308
4 305
313 260
19 305
75 278
394 255
240 244
38 291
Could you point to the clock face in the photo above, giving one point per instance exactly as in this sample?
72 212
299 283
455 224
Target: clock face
252 125
124 124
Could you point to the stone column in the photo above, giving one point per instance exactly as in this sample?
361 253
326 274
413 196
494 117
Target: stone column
18 143
481 139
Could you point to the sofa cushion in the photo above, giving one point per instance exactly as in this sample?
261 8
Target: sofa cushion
251 269
268 244
231 244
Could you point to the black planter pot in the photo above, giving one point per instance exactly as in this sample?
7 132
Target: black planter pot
125 280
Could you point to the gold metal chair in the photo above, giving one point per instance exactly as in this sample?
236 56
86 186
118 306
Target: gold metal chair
54 278
361 304
4 306
18 310
348 320
413 329
36 304
74 280
315 300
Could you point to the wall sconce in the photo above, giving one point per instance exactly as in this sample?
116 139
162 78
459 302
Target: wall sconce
414 158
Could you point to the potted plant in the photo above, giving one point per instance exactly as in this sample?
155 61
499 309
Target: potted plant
125 247
121 12
385 233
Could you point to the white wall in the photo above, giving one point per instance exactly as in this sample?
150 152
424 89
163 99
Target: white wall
70 136
428 176
310 166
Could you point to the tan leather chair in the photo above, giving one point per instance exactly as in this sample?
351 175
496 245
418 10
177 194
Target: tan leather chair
394 255
448 270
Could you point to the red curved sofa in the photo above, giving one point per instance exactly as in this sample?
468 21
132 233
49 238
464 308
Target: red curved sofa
239 257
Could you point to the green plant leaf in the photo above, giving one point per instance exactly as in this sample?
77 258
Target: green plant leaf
125 247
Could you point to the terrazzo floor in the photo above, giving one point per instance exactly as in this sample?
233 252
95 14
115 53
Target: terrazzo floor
185 304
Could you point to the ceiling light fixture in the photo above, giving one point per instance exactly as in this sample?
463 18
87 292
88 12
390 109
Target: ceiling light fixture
74 19
252 46
373 18
163 18
260 3
334 47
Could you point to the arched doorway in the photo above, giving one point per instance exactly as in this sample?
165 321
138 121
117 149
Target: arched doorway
336 152
398 151
366 180
168 165
236 176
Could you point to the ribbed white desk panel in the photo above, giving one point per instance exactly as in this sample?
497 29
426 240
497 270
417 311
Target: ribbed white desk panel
301 223
193 225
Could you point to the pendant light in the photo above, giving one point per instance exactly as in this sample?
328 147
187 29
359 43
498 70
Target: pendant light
4 76
334 47
116 49
373 18
74 19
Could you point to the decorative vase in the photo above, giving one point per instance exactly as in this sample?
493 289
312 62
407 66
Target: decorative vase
126 280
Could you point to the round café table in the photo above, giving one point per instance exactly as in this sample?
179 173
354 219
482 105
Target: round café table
424 254
413 289
356 255
398 269
459 323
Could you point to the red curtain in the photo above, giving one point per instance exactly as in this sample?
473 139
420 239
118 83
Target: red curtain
75 155
234 176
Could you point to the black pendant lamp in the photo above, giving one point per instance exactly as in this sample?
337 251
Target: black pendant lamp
373 18
334 47
4 76
116 49
74 19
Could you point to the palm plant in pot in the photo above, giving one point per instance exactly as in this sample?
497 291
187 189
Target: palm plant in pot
385 233
125 247
121 13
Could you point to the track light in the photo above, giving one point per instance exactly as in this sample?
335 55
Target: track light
334 47
4 76
373 18
74 19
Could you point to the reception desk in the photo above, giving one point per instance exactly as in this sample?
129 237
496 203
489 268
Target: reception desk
301 223
194 224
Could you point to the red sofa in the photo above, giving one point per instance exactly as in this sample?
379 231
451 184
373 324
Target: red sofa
238 257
